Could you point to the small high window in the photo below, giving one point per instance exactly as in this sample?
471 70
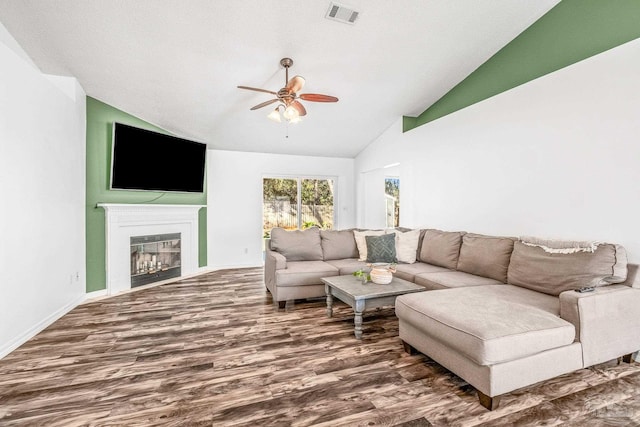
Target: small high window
392 197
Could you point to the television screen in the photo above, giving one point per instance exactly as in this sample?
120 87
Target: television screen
146 160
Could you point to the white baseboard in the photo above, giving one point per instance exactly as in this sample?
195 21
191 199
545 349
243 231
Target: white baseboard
95 294
227 267
41 325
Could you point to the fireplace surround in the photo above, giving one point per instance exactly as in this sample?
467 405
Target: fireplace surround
126 221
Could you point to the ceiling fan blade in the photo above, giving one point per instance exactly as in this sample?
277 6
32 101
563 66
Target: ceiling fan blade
315 97
295 84
257 90
264 104
299 107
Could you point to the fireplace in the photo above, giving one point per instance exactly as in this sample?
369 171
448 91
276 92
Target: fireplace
154 258
125 222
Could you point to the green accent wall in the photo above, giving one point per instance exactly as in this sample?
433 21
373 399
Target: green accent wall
100 118
571 31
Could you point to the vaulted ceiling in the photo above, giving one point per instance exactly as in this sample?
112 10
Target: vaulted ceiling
177 63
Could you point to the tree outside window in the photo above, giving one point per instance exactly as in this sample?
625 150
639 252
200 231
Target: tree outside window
297 203
392 197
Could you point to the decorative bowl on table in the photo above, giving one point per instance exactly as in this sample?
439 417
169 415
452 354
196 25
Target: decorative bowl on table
382 273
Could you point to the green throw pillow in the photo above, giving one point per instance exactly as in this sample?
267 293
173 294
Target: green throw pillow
381 248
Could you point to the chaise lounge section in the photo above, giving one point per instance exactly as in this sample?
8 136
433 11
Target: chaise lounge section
503 337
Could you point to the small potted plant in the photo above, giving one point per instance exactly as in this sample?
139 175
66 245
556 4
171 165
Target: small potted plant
362 275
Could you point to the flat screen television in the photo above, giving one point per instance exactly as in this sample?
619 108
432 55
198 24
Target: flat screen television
151 161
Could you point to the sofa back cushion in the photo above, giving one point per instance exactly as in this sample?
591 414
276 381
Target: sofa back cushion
297 245
441 248
485 256
535 268
338 244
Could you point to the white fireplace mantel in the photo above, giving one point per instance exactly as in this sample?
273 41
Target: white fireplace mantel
124 221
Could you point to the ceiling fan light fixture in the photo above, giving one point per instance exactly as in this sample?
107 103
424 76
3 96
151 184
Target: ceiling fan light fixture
290 113
275 115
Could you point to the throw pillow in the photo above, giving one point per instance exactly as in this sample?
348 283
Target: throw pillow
407 245
361 243
381 248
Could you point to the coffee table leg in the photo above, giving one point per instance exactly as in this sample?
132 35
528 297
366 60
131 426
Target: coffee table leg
327 289
357 320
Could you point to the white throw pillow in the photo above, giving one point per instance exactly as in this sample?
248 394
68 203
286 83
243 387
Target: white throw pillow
361 242
406 245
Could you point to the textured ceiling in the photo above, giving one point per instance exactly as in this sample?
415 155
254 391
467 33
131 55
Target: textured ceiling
177 63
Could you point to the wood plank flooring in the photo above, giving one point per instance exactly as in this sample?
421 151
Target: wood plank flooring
215 351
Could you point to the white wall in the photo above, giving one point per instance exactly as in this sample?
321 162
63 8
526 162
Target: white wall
373 212
42 187
234 200
557 157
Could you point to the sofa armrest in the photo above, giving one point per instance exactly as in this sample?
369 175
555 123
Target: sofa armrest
273 261
278 260
607 321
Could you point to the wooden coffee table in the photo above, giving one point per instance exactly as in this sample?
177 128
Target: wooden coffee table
361 297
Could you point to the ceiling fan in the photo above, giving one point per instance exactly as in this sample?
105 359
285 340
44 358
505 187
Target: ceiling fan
288 97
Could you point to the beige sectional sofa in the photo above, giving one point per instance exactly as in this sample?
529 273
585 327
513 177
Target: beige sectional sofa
502 313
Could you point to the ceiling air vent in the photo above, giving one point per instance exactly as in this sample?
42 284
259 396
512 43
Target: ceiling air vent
341 13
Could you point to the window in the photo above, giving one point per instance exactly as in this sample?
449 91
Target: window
297 203
392 197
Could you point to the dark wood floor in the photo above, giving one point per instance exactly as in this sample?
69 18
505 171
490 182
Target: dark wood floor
213 350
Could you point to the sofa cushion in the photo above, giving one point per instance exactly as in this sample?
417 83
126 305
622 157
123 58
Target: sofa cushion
406 245
488 324
348 266
338 244
441 248
409 271
361 243
451 279
485 256
297 245
534 268
302 273
381 248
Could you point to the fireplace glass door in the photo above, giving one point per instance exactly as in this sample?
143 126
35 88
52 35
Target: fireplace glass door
154 258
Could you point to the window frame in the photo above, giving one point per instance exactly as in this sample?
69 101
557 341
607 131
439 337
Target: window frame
299 179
